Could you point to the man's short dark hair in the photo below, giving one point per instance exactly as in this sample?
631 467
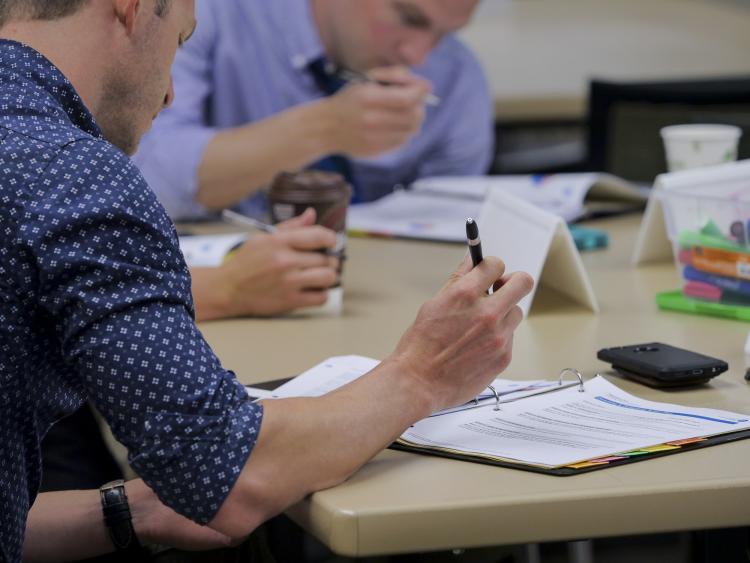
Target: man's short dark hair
162 7
52 9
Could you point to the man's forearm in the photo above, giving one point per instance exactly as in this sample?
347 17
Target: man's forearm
460 340
66 526
238 162
307 445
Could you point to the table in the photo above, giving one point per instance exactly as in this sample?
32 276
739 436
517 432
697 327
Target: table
539 55
401 502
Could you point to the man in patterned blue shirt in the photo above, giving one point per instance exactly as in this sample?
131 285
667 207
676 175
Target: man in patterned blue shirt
95 303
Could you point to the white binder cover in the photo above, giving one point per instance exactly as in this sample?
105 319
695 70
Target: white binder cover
535 241
653 244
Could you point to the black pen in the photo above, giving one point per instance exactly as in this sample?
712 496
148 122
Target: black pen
474 242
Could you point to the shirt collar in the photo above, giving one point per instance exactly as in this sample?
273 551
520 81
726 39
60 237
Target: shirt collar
45 76
295 22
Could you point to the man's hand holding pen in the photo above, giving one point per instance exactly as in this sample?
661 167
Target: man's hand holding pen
461 339
369 117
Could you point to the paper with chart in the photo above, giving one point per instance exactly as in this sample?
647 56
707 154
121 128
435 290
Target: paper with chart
566 427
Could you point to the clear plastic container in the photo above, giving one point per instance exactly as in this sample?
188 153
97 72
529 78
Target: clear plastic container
709 226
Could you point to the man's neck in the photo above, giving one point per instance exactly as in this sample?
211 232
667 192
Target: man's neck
64 44
320 19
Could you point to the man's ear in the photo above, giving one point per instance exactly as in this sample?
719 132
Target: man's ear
127 12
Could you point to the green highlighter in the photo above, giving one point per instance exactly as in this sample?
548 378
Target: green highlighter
676 301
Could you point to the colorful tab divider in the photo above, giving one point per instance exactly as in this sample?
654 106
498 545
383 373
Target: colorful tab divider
686 442
660 448
668 446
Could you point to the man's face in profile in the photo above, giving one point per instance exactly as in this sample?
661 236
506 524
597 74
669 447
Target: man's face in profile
374 33
138 85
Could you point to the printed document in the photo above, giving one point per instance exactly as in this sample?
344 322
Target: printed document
566 427
436 208
340 370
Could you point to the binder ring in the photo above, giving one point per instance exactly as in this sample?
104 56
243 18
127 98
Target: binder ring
497 397
575 372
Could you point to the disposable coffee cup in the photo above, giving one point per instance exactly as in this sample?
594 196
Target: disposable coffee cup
291 193
696 145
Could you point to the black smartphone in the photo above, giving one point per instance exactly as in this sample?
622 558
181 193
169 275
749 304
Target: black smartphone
661 365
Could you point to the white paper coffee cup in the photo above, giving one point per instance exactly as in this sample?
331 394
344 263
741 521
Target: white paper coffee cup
695 145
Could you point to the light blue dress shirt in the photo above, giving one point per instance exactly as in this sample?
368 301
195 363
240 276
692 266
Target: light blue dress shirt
248 60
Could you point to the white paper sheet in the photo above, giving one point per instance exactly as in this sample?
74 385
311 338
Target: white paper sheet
560 194
340 370
326 376
409 214
208 251
565 427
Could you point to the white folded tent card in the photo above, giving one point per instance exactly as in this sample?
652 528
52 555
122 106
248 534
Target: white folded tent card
652 243
535 241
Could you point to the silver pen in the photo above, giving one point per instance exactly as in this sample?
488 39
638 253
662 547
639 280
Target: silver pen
245 221
360 77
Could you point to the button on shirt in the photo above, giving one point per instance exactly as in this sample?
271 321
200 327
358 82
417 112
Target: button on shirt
95 303
248 60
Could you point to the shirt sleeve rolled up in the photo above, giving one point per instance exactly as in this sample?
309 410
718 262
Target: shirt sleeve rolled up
116 290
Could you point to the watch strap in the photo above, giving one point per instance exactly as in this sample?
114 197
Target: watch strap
117 516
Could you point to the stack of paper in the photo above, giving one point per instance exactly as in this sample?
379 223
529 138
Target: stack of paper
435 208
543 426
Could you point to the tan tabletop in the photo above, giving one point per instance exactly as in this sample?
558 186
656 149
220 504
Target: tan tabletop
401 502
539 55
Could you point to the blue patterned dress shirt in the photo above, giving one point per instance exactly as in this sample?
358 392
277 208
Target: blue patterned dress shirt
95 303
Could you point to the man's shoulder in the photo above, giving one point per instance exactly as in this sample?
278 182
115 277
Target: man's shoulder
456 75
41 128
33 148
67 167
450 57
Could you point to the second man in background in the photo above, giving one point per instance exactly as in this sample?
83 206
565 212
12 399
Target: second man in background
266 86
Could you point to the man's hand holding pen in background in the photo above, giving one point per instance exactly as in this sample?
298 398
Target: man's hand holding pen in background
377 113
270 274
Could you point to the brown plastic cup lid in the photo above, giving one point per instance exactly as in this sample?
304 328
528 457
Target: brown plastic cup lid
310 186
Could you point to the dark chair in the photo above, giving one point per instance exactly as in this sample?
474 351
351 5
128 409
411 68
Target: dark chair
625 118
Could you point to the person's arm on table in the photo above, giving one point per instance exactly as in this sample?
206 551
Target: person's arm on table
81 532
459 342
188 424
269 274
361 120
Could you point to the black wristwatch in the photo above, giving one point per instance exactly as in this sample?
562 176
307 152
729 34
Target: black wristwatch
117 517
